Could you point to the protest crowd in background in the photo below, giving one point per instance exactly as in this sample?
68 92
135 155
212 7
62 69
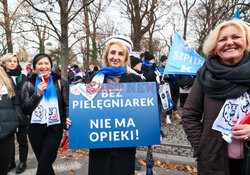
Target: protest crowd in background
44 122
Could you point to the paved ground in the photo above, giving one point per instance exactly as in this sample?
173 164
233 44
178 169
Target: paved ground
76 163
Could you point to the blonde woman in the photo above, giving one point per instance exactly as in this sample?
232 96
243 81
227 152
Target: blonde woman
215 104
13 69
8 120
114 161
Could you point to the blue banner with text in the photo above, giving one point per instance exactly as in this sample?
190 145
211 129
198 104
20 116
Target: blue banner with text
182 59
121 115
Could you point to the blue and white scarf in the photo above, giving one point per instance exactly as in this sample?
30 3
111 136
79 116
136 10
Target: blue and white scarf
47 111
90 90
231 114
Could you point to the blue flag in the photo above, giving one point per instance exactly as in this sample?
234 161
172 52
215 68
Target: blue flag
237 13
182 59
53 68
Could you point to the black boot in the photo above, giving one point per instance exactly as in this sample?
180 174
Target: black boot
21 168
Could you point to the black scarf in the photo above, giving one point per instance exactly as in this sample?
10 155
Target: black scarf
222 81
16 72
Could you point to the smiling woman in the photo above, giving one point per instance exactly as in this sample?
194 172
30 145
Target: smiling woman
221 95
231 44
116 59
45 99
113 161
116 56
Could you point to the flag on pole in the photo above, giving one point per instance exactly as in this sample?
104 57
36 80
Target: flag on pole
53 68
182 59
237 13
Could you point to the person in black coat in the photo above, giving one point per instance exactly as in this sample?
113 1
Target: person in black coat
9 120
149 69
45 98
172 80
114 161
185 83
13 69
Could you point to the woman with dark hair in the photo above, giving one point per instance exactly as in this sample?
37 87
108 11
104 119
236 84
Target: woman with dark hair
45 98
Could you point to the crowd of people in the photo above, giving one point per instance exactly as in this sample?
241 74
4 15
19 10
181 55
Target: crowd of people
36 103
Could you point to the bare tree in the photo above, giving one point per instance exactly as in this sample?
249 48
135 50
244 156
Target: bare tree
185 13
161 20
168 32
8 23
210 13
68 11
140 13
87 28
37 26
90 29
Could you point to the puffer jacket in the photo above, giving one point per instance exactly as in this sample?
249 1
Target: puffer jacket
10 114
19 81
199 114
30 99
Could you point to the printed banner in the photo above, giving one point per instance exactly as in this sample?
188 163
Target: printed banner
121 115
182 59
232 113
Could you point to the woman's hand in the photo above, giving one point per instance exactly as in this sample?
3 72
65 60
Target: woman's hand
68 123
41 87
156 146
66 133
241 132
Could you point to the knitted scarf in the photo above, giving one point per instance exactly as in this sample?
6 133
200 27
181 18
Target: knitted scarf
222 81
90 90
47 111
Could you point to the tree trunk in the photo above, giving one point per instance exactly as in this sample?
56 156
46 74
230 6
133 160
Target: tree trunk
7 26
64 38
86 23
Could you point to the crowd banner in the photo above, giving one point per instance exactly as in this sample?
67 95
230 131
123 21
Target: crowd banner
182 59
135 54
120 115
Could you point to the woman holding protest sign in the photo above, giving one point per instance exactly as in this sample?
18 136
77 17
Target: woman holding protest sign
219 100
45 98
113 161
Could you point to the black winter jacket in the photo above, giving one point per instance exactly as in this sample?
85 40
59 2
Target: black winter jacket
148 73
30 99
185 80
19 81
10 115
